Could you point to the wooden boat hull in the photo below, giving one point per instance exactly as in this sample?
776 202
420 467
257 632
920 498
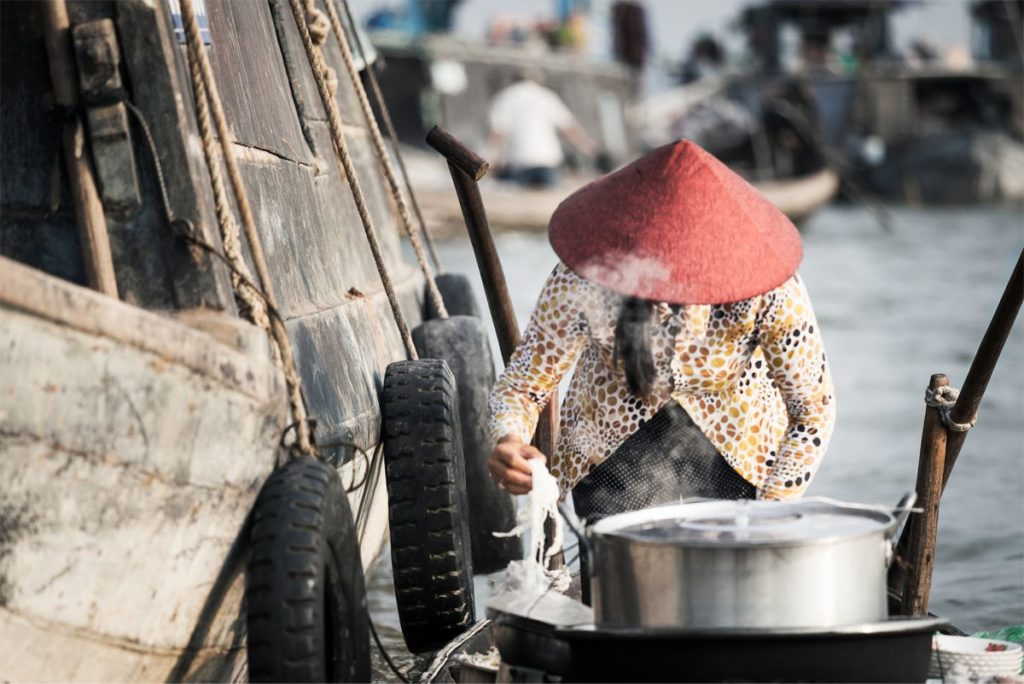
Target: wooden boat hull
134 447
513 208
798 198
133 442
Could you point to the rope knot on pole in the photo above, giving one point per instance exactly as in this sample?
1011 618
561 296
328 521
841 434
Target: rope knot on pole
944 399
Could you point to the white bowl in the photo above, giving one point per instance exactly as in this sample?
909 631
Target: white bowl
974 646
950 652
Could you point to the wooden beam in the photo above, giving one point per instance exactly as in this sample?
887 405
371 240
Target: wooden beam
92 222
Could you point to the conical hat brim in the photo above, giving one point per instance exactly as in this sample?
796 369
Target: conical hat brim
676 226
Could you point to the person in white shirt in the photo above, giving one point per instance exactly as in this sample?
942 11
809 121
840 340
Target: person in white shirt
526 119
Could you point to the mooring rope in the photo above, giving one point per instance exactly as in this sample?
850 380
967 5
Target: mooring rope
250 296
944 399
208 105
385 160
184 229
316 62
319 28
389 126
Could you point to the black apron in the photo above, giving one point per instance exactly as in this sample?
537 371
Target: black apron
667 459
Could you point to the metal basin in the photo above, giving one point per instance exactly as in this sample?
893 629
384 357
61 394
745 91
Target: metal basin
814 563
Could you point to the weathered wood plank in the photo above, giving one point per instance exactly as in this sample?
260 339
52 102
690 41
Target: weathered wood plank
135 445
155 68
305 95
252 81
127 477
27 290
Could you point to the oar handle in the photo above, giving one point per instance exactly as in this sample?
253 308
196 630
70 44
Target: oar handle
457 154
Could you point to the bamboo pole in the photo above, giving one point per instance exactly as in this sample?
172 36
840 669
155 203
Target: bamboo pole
923 527
911 572
92 222
966 408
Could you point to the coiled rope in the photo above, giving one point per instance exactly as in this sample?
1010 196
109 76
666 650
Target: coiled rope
944 399
389 126
319 67
208 105
385 160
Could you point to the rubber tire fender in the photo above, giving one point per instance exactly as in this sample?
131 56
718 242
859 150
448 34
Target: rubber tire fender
428 509
304 586
462 342
457 295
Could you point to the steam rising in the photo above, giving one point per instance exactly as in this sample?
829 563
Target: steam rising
628 273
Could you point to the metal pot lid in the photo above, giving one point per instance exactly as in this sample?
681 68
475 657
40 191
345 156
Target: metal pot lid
744 523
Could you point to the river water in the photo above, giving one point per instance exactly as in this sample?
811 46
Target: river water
894 307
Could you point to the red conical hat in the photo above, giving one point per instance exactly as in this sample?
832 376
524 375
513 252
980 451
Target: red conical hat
676 226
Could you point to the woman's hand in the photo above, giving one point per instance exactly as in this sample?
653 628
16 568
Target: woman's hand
509 464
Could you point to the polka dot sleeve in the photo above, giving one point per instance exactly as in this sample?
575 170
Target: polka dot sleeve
554 338
793 348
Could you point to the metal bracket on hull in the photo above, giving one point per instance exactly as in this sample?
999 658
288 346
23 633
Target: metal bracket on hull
99 58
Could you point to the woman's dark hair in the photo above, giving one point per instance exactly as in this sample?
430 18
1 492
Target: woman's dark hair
633 344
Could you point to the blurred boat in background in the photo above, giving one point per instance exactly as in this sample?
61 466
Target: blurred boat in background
442 79
821 105
918 128
924 127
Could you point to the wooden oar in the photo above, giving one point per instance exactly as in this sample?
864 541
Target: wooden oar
467 168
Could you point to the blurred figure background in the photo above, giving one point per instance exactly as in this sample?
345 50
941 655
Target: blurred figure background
706 60
526 119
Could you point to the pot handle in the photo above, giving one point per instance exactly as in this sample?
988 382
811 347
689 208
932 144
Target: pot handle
904 507
901 511
576 525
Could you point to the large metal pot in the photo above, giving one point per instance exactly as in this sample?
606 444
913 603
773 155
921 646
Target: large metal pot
743 564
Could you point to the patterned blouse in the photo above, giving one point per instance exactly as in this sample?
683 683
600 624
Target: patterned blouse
751 374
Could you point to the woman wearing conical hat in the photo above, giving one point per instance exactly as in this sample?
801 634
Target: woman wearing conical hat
699 365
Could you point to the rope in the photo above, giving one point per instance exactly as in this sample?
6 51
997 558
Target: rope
385 160
316 62
242 281
361 452
161 182
387 657
208 103
389 126
375 87
319 28
184 229
944 399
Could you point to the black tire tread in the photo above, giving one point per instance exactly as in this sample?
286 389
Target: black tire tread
288 544
463 343
427 507
457 295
